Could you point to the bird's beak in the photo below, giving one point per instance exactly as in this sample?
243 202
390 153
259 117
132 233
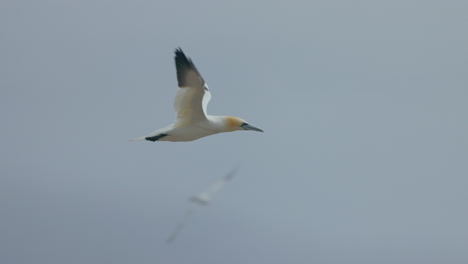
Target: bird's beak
250 127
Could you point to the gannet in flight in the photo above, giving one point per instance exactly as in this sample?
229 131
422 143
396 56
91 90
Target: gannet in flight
202 199
190 104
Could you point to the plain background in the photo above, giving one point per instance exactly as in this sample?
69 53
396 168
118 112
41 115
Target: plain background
363 159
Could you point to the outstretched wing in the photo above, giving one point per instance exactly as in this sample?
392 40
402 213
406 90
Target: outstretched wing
205 197
220 184
201 199
181 224
193 95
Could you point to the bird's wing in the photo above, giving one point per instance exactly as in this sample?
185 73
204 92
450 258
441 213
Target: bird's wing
193 95
220 183
202 199
232 173
181 224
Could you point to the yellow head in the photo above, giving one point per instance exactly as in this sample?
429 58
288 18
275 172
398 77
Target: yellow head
235 123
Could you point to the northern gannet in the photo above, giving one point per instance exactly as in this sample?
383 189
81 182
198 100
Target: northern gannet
202 199
191 101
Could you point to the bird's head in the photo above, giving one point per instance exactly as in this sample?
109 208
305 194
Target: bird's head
235 123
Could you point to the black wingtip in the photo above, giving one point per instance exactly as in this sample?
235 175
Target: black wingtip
183 65
155 138
232 173
181 59
179 52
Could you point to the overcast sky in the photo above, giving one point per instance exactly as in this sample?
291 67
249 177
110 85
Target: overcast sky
364 158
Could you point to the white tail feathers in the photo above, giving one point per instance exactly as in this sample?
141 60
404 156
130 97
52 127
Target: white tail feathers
135 139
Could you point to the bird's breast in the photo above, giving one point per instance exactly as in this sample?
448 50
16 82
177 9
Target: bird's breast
192 131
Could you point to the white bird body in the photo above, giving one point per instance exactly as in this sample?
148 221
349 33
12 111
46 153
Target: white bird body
189 131
191 104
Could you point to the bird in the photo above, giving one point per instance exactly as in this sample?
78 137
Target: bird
191 102
201 199
206 197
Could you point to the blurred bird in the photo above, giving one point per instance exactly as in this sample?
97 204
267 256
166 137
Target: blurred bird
190 104
202 199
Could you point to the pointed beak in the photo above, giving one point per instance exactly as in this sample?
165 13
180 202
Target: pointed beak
250 127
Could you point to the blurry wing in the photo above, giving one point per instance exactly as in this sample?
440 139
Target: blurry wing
181 225
231 174
220 184
201 199
193 95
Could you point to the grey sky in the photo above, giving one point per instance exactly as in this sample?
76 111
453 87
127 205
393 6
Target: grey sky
363 159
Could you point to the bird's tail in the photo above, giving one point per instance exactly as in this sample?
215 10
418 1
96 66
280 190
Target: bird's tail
135 139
